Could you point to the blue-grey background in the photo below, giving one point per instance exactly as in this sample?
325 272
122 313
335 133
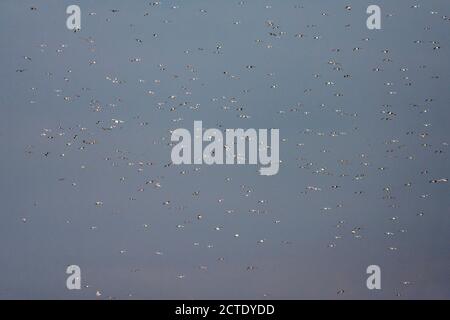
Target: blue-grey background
363 118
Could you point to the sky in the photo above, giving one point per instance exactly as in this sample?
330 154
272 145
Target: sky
86 173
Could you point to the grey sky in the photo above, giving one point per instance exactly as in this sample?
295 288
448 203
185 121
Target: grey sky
363 117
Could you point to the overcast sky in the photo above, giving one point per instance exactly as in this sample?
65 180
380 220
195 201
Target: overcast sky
85 164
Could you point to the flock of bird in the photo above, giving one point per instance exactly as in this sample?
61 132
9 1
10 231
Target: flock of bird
363 143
